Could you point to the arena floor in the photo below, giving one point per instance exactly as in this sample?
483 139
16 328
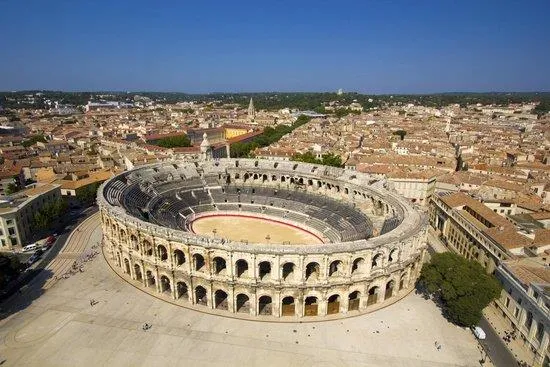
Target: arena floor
253 230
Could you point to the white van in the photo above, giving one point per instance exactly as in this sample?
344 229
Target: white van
478 332
29 248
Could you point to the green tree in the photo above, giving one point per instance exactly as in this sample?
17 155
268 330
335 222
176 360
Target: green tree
462 287
11 188
174 141
10 267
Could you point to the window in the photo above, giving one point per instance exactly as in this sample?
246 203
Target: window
516 312
11 231
507 302
9 221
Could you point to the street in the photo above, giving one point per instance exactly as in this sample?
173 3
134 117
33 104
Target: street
495 348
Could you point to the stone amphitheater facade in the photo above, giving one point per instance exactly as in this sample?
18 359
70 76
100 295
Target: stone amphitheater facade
146 239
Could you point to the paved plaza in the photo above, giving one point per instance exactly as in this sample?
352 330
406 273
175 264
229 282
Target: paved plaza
59 327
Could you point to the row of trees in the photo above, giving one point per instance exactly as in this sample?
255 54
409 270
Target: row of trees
269 136
328 159
174 141
33 140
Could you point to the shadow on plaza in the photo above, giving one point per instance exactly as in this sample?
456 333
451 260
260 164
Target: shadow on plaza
23 292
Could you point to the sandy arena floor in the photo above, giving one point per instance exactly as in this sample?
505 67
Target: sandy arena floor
239 228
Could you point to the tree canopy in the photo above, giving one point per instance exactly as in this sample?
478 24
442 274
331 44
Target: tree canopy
174 141
400 133
462 286
49 213
328 159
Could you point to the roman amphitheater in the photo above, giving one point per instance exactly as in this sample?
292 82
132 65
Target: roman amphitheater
264 240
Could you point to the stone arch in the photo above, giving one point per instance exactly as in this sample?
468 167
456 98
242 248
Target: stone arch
147 248
220 300
220 266
377 261
264 270
288 272
150 277
311 306
165 284
127 266
373 295
243 303
182 291
354 301
333 304
162 252
265 305
358 266
201 298
288 306
313 271
179 257
394 255
336 268
137 272
198 262
134 242
389 289
241 267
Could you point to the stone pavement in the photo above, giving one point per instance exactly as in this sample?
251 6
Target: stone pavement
61 328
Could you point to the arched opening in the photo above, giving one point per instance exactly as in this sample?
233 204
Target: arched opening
118 261
264 178
264 270
358 266
283 178
198 262
165 284
394 254
389 289
200 296
353 301
137 272
220 300
288 307
163 254
373 296
147 248
127 266
122 234
219 266
288 271
264 305
242 268
179 257
273 178
312 271
182 291
243 303
150 279
402 282
333 305
134 241
335 268
376 261
311 307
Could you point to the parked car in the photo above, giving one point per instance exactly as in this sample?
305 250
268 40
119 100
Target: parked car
30 248
479 333
50 240
33 259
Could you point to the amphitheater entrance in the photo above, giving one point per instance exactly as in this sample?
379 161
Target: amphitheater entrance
373 296
127 266
200 296
243 303
311 307
181 290
265 306
220 300
333 305
353 301
288 307
150 279
137 272
248 228
165 284
389 289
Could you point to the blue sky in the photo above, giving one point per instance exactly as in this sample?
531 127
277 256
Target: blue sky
243 46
